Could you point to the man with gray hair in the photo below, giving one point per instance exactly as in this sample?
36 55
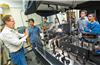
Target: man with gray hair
14 41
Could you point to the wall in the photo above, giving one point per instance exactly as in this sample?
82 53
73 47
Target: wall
19 17
37 18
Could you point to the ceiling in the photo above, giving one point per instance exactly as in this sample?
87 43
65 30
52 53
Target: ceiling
47 5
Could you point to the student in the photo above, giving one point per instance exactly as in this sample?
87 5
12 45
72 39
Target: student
14 41
82 21
93 26
34 34
45 25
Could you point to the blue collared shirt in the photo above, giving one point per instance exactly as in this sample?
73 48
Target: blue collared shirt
34 34
93 27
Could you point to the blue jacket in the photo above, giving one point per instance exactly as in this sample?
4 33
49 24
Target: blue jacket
93 28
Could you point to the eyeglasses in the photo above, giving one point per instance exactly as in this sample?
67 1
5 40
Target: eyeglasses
90 16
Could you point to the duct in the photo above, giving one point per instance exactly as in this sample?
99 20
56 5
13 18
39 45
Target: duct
89 5
31 7
47 8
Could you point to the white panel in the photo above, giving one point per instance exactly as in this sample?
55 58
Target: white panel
1 10
19 17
